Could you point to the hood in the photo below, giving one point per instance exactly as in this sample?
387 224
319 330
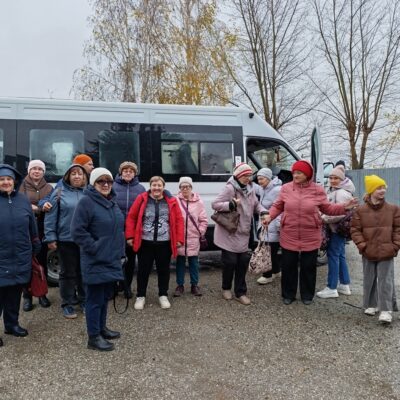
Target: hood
133 182
29 182
348 185
99 198
275 182
65 178
195 197
18 176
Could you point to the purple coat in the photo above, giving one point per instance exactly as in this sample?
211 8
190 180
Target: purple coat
237 242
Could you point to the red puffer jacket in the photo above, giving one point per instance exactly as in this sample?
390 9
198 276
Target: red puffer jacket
134 221
301 222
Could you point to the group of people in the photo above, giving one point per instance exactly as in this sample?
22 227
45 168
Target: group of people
100 225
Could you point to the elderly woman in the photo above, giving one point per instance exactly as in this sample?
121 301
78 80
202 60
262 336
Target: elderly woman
238 194
268 192
300 203
98 228
154 228
195 225
127 187
18 231
35 187
341 190
57 229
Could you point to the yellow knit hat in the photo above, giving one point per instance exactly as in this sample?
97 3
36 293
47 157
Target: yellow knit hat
372 182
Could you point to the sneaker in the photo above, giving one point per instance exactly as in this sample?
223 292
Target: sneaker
385 317
179 291
262 280
328 293
139 303
371 311
195 290
227 294
243 300
69 312
82 307
277 275
344 289
164 302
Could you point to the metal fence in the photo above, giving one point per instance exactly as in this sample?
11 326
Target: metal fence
390 175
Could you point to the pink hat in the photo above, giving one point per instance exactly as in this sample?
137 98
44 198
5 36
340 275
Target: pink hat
242 169
36 163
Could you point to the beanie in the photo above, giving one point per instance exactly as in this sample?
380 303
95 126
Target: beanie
304 167
372 182
127 164
265 172
36 163
97 173
81 159
7 172
242 169
185 179
339 172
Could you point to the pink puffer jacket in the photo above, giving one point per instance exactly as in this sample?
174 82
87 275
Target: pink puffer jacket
198 211
300 205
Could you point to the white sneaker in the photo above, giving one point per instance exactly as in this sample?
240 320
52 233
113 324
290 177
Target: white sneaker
139 303
344 289
328 293
262 280
276 276
164 302
385 317
371 311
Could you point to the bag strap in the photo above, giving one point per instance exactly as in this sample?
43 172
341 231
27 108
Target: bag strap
190 216
116 292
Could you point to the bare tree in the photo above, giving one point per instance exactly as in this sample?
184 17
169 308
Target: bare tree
360 43
274 55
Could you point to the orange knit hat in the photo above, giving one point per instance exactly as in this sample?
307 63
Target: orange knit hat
81 159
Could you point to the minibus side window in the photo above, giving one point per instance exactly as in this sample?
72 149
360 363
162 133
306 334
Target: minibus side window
179 158
1 146
216 158
56 148
115 147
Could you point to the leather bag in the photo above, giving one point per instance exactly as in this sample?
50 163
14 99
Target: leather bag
38 284
260 260
229 220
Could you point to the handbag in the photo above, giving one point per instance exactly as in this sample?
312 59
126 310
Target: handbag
202 239
229 220
260 260
343 227
38 284
326 236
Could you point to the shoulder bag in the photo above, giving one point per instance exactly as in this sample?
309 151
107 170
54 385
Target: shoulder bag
260 261
38 284
229 220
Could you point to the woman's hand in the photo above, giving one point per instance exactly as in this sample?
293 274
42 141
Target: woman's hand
265 219
52 245
351 204
130 242
178 244
47 206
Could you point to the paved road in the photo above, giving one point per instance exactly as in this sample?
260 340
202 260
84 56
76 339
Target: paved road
208 348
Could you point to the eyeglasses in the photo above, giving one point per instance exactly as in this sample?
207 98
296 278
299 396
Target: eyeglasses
185 187
104 182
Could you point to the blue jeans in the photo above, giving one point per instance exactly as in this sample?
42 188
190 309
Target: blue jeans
337 266
193 270
97 297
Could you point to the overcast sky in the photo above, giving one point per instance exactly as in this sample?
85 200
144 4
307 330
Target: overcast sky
41 44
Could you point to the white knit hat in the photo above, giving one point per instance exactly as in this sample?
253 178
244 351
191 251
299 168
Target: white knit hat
97 173
339 172
265 172
185 179
36 163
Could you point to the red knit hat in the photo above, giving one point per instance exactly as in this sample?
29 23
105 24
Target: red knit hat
81 159
304 167
242 169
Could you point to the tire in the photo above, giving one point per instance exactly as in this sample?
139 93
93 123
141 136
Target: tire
53 267
322 258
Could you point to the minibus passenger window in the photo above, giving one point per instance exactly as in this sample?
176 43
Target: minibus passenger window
56 148
179 158
216 158
117 147
1 146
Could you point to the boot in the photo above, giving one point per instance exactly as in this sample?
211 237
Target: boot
109 334
28 306
44 302
97 342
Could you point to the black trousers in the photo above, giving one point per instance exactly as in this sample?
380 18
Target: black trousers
10 299
130 265
160 252
276 260
290 273
235 267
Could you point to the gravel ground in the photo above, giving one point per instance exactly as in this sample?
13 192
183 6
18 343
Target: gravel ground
209 348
